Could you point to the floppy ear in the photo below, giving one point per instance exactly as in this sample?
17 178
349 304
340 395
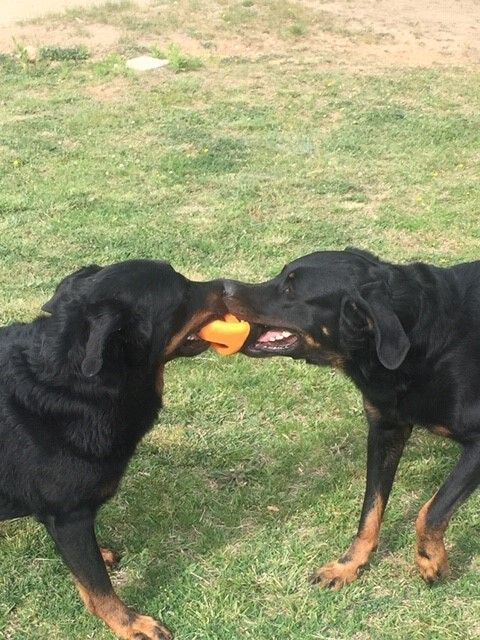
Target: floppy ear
391 341
69 286
101 327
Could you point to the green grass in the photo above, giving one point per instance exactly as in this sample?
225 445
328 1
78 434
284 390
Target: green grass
178 60
254 474
64 53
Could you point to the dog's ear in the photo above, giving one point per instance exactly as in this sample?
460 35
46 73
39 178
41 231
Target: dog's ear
371 308
101 328
136 334
70 287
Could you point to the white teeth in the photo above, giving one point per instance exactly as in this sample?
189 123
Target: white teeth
192 337
272 336
279 336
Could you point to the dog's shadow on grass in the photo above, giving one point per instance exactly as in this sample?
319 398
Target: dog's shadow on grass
196 504
188 504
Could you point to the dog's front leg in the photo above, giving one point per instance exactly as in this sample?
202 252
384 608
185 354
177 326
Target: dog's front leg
386 441
433 518
74 536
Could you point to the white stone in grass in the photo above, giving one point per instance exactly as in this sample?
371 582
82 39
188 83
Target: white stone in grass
146 63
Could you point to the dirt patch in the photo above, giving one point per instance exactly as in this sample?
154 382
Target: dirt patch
360 34
97 38
12 11
411 33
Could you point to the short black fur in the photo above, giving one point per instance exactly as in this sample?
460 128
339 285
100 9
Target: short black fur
409 338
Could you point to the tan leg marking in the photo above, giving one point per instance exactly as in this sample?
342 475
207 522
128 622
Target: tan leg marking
440 430
124 622
110 558
431 557
338 573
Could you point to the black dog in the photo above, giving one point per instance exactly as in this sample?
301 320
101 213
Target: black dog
78 390
409 338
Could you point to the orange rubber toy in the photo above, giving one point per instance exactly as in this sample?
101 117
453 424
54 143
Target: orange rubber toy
227 336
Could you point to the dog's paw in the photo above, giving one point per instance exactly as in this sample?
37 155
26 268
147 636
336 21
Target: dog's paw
146 628
432 561
334 575
110 558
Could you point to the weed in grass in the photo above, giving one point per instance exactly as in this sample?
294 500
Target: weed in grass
180 61
297 29
62 54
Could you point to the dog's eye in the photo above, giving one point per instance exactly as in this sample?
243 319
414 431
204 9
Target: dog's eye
288 286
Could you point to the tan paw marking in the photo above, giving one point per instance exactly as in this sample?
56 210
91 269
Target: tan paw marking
431 557
146 628
334 575
123 621
432 560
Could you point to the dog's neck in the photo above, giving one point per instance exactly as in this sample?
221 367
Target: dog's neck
425 326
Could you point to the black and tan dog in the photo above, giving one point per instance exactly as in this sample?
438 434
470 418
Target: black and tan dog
78 390
409 338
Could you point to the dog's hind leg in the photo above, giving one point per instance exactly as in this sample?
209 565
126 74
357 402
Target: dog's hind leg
386 441
74 536
433 517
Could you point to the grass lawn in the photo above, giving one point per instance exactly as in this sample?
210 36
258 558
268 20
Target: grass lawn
234 165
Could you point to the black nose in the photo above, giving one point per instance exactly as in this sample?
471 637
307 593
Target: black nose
229 288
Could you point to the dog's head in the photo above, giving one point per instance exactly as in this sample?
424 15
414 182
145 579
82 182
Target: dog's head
70 287
325 308
134 313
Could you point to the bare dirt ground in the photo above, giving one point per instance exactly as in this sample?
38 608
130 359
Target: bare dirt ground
353 33
413 33
12 11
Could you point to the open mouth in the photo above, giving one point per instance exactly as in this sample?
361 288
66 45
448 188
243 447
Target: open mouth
191 346
273 341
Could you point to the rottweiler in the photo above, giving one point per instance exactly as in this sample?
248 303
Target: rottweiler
79 388
408 336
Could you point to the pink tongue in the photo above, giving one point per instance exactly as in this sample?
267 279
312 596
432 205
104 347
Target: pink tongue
265 337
